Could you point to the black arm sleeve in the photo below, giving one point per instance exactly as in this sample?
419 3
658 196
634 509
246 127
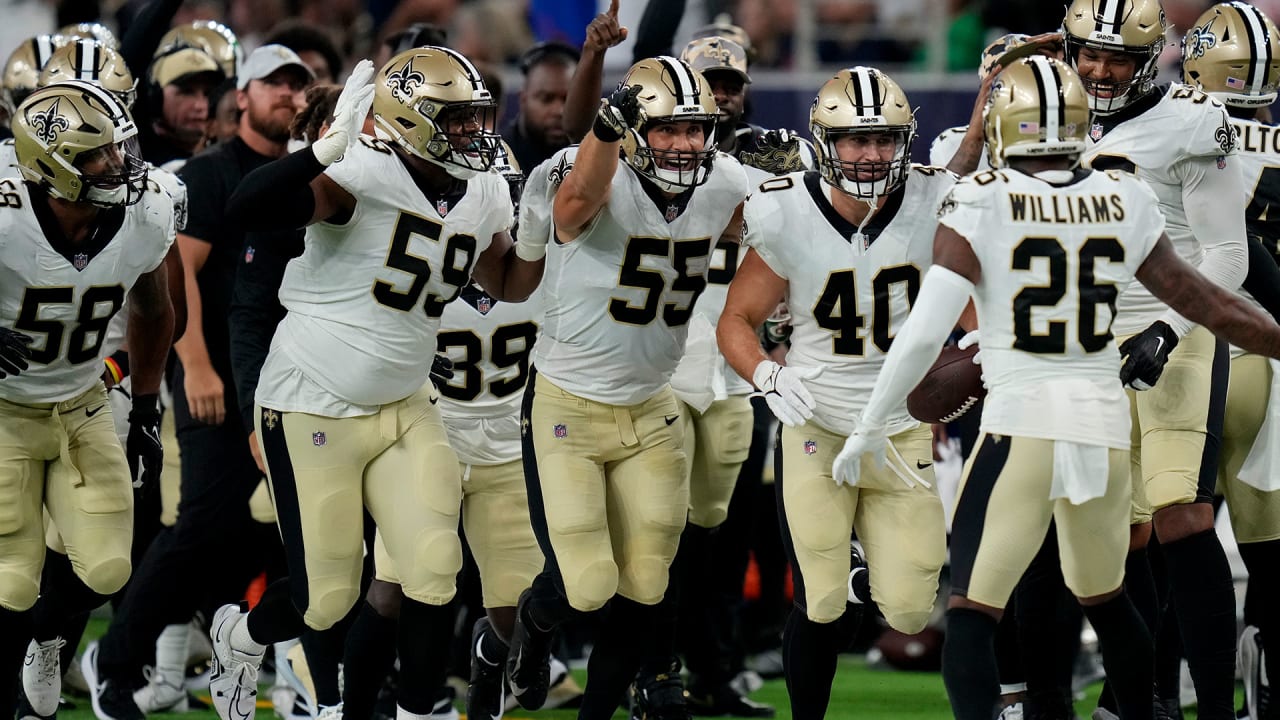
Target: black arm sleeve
1263 280
278 195
142 38
657 29
256 310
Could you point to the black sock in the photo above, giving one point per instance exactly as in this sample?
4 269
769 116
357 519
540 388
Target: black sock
969 664
423 641
15 634
72 630
1140 586
810 651
1204 596
625 625
1261 601
275 618
63 595
323 649
547 606
1008 653
1168 653
1038 609
661 648
1126 654
369 655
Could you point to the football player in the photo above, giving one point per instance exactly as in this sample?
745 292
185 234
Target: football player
1044 248
1179 140
603 441
346 416
849 275
92 61
22 70
68 270
1233 54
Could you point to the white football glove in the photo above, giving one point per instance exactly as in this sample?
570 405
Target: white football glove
783 388
971 338
847 468
348 115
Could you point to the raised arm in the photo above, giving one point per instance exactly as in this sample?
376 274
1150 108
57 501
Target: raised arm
504 274
1202 301
580 106
586 189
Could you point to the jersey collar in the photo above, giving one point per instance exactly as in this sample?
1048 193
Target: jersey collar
876 225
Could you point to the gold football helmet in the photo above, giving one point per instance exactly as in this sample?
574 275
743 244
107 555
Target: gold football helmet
1038 106
214 38
1133 27
862 101
670 92
1233 53
716 53
59 128
91 31
94 62
22 69
432 102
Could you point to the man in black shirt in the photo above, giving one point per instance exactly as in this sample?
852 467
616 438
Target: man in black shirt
218 472
537 130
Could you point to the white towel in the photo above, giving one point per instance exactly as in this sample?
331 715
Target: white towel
1080 471
1261 469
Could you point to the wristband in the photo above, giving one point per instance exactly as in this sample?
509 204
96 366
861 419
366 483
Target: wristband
117 365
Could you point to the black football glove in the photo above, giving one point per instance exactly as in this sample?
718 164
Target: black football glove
1145 355
441 368
143 448
15 350
618 113
776 152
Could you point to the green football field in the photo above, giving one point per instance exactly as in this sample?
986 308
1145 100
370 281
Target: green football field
859 692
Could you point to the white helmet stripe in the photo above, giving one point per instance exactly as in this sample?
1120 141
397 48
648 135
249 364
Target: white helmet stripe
686 86
1259 45
86 62
473 74
867 91
43 49
1051 102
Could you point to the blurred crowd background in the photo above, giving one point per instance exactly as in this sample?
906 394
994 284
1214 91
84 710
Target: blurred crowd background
932 47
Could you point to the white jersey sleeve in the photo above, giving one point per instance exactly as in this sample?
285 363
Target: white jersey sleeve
66 300
1174 146
490 343
364 299
848 297
944 148
620 296
1053 259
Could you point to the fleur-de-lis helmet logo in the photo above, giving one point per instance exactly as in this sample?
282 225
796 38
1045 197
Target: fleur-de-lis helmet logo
1200 39
404 80
48 123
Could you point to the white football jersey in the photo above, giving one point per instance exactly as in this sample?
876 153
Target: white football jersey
1185 123
158 181
1259 145
702 370
364 299
67 303
1054 258
944 148
489 342
620 296
848 298
8 159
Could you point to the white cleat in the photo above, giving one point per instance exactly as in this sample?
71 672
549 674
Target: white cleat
233 675
159 695
42 675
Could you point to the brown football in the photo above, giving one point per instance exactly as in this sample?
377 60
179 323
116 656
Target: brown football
950 389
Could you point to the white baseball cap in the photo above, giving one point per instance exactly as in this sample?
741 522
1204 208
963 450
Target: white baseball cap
268 59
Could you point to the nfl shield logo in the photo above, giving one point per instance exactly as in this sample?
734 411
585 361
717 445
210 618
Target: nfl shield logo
318 439
79 261
673 212
1095 132
810 447
484 304
561 431
442 207
248 254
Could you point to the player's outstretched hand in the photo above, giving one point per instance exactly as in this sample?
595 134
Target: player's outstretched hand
618 113
604 31
348 115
